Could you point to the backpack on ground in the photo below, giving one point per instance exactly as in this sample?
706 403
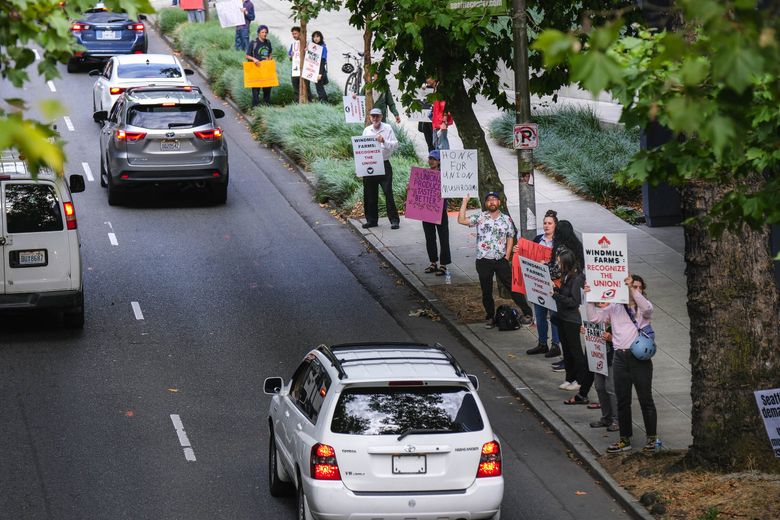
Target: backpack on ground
507 318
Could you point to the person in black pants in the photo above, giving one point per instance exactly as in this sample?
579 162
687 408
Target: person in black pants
443 229
260 50
322 76
385 135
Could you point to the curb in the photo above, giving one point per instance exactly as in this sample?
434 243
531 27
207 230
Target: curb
562 429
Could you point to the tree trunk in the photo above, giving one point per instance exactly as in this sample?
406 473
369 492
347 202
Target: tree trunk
368 35
303 85
735 337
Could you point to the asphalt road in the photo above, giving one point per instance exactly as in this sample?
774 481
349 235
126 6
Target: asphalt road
189 307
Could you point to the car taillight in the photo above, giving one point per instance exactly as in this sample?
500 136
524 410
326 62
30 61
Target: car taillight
70 215
209 135
490 460
137 27
114 91
78 27
323 463
122 135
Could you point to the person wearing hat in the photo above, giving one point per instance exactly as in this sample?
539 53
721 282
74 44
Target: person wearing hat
383 133
438 264
259 50
495 237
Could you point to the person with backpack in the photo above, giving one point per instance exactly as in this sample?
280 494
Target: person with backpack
242 31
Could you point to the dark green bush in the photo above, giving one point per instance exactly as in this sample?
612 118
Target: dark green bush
169 18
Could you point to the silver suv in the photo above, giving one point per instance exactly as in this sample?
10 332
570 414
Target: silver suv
162 135
383 431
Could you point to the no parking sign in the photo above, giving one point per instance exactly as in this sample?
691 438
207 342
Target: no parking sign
526 136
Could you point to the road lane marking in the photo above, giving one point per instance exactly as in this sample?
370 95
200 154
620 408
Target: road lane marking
69 123
88 172
112 239
50 83
137 310
189 453
37 56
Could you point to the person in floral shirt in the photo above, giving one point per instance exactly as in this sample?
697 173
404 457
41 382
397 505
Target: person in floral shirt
495 238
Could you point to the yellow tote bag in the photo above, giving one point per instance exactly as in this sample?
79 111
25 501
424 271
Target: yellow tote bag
261 75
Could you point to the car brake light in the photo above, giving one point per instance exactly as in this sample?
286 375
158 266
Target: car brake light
169 104
70 215
123 135
490 460
323 463
209 135
138 52
137 27
114 91
78 27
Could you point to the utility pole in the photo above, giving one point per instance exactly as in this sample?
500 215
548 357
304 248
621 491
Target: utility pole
525 158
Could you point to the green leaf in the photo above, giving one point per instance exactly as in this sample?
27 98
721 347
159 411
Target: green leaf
19 103
595 71
721 133
685 114
603 37
555 46
694 71
51 109
737 64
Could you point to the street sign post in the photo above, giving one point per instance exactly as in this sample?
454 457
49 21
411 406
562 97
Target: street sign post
526 136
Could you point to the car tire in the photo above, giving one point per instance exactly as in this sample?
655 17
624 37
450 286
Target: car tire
303 505
73 318
73 66
276 486
219 193
103 174
115 195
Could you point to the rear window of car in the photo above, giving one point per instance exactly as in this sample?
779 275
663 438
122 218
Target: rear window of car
392 411
156 117
105 17
32 208
148 70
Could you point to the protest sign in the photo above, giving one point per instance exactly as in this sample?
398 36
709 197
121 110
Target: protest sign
191 5
295 56
260 74
458 173
368 156
311 62
606 266
531 250
423 198
768 402
538 286
355 109
230 13
596 348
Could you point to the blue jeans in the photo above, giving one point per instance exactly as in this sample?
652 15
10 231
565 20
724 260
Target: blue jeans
242 38
541 324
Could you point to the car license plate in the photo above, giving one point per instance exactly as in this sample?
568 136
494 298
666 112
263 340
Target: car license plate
169 145
32 258
108 35
409 464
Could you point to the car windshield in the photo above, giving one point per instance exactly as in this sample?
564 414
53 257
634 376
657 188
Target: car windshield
148 70
156 117
397 410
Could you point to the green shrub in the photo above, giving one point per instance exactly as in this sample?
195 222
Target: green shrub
216 63
169 18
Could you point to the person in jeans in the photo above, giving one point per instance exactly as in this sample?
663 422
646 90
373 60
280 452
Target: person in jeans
259 50
495 237
628 370
443 229
242 31
546 239
386 136
605 388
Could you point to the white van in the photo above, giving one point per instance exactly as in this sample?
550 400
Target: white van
39 241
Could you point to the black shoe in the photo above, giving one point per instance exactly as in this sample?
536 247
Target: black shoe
395 225
555 351
600 424
369 225
541 348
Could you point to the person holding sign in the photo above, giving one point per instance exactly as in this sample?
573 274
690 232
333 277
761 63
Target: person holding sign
626 320
443 229
322 77
294 52
385 135
260 50
495 237
540 312
242 31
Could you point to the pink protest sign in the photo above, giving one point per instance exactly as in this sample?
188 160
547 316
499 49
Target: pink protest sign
423 198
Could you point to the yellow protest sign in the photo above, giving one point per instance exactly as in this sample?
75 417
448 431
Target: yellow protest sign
262 74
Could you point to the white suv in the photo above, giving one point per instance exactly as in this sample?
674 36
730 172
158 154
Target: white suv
39 241
381 431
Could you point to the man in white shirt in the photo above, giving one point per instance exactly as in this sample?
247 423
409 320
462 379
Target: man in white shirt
387 140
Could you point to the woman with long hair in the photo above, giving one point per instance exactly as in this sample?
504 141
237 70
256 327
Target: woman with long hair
546 238
322 77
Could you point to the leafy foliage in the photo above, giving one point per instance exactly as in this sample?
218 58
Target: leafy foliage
169 18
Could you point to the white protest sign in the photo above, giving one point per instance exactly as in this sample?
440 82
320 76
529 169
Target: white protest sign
368 156
768 402
311 62
230 13
458 173
538 285
355 109
606 266
596 348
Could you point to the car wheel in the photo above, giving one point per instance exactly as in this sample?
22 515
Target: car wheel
303 504
115 197
73 66
276 486
219 193
73 318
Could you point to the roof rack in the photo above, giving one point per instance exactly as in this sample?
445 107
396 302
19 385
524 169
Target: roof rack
328 353
339 363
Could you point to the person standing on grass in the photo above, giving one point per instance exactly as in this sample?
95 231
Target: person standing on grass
626 320
383 133
546 239
322 75
443 229
260 50
242 31
495 238
294 52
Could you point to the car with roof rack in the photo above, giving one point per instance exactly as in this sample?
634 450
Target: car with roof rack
156 136
367 431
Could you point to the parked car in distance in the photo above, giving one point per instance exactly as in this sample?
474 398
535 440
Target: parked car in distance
104 33
135 70
162 135
39 241
383 430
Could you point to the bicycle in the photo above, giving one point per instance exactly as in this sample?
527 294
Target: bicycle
355 78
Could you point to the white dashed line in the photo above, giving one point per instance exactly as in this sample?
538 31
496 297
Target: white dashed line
137 310
189 453
88 172
50 83
69 123
37 56
112 239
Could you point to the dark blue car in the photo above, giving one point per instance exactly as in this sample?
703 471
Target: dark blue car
103 34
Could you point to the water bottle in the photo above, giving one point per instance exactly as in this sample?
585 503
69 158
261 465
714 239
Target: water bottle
448 277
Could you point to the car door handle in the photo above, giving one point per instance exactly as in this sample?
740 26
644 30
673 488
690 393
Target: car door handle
299 426
2 241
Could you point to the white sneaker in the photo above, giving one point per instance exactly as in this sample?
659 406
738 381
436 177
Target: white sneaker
565 385
574 385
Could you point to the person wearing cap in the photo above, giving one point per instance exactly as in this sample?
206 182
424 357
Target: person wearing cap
260 50
438 263
495 237
383 133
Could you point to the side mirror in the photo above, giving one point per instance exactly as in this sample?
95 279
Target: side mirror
273 385
100 116
474 381
189 72
95 72
76 183
142 17
218 114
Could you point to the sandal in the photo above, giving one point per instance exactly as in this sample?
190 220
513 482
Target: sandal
594 406
431 268
577 399
441 271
